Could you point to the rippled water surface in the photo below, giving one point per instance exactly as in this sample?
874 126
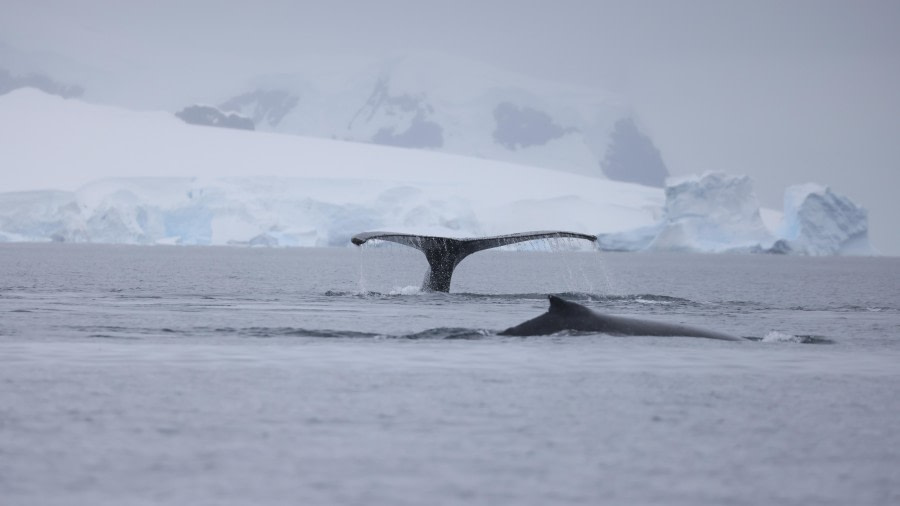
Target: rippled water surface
160 375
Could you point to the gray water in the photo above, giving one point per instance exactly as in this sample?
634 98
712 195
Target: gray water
175 375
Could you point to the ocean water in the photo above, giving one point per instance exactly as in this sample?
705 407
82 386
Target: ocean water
202 375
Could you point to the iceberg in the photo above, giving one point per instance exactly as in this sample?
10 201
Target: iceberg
714 212
818 222
717 212
453 105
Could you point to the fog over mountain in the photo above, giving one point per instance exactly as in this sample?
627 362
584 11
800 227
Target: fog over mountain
785 92
435 102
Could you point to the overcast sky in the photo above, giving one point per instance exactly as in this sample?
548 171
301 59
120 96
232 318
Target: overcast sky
785 91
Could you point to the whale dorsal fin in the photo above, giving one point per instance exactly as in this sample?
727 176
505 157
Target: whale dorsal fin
558 305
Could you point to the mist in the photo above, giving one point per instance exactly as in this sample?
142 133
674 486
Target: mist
783 92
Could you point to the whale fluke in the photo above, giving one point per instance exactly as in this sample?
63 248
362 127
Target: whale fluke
444 253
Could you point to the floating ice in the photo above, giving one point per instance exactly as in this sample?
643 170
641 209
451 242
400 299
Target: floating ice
714 212
718 212
222 186
818 221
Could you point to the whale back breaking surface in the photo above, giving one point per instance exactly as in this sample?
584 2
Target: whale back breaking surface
445 253
565 315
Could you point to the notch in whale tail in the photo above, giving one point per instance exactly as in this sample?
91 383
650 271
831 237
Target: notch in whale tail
445 253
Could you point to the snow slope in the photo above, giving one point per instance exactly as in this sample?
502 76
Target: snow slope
86 173
102 174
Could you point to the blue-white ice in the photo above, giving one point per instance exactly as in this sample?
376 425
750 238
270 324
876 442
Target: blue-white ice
144 178
818 221
148 178
717 212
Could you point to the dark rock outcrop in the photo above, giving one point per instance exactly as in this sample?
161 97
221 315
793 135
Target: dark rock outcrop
262 106
632 157
421 133
522 127
210 116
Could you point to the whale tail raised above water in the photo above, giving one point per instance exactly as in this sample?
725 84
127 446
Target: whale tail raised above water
445 253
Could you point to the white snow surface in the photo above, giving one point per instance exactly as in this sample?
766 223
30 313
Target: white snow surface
74 171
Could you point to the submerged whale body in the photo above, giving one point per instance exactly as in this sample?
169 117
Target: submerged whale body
566 315
445 253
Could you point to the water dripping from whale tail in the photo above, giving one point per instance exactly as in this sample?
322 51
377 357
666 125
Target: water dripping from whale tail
445 253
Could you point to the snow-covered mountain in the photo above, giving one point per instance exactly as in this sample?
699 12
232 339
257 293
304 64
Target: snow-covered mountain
10 82
451 105
130 177
137 177
433 102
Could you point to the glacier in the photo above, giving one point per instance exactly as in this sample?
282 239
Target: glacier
219 186
277 211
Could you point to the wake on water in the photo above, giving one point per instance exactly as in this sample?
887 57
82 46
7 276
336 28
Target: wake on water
621 301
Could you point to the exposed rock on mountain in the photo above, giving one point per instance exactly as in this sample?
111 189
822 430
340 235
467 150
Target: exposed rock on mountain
406 118
632 157
522 127
262 106
210 116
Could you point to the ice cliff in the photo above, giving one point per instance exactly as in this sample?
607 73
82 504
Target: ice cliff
718 212
226 186
714 212
818 221
276 211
